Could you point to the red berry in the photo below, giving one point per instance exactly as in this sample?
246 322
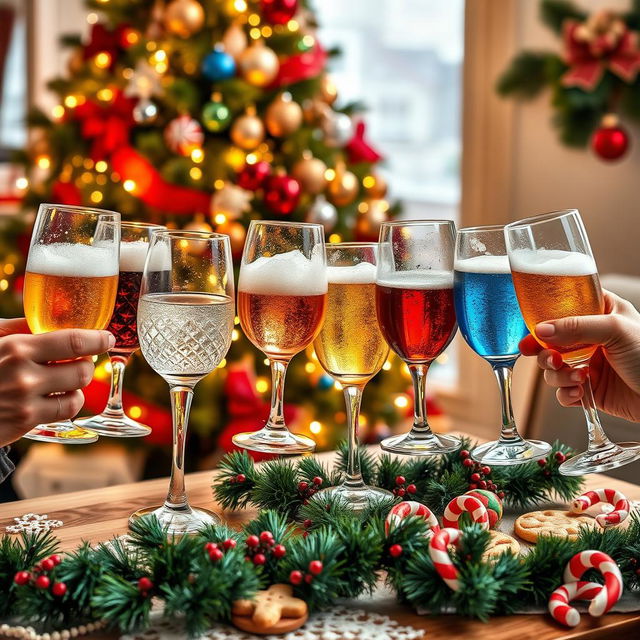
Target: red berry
266 536
542 462
395 550
473 486
482 484
467 462
216 554
475 477
259 558
308 578
144 584
638 572
547 473
633 561
486 470
464 454
253 541
400 480
295 577
47 564
279 550
305 534
232 480
241 477
315 567
42 582
22 577
317 481
307 523
305 501
501 495
412 488
560 457
303 486
59 589
56 559
229 543
210 546
401 492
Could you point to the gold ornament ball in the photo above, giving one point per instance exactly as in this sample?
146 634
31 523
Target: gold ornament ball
197 247
375 186
247 131
283 116
258 65
309 172
343 188
237 234
374 212
328 89
184 18
234 40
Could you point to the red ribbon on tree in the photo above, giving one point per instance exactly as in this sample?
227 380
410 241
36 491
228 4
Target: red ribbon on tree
358 150
300 67
602 42
104 40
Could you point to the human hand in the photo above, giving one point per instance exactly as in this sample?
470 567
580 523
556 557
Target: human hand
29 372
614 367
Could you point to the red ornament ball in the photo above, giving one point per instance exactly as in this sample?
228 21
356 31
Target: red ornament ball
278 11
253 541
610 142
395 550
144 584
42 582
279 551
22 577
259 558
59 589
296 577
281 194
315 567
253 176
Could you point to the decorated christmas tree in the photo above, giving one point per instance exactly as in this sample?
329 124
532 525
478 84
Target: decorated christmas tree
205 116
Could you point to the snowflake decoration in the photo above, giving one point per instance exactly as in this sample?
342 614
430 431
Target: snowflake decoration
33 523
231 201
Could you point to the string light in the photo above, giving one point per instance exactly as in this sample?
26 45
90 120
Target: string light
309 367
236 320
105 95
386 366
315 427
151 45
255 33
43 162
102 60
9 268
96 196
195 173
266 31
218 184
266 361
362 420
101 166
223 363
92 18
129 185
235 335
261 385
127 73
254 19
293 25
401 401
101 179
308 41
197 155
4 285
329 175
220 218
368 182
335 237
71 102
240 6
135 412
87 163
87 177
337 386
57 112
363 207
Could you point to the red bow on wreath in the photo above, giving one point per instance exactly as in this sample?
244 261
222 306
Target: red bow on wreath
602 42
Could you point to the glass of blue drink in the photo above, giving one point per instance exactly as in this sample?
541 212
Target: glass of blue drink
491 323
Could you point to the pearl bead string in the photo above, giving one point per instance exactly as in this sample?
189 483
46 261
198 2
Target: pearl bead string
29 633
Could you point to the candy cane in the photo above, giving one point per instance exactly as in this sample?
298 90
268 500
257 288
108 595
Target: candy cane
440 556
603 563
405 509
611 496
462 504
559 607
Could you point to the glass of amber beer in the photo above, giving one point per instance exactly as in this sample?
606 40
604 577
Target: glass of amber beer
415 309
352 350
70 282
555 276
282 295
134 243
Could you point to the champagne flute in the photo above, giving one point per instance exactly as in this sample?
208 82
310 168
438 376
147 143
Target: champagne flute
185 321
352 350
414 302
555 276
282 295
71 281
134 243
492 325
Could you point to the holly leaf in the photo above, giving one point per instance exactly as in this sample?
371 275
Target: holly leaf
554 13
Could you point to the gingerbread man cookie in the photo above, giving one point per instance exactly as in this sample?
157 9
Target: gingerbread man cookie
562 524
499 543
274 610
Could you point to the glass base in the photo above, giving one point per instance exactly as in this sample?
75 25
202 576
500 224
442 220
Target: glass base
279 441
115 426
416 443
178 522
505 453
63 432
358 499
616 454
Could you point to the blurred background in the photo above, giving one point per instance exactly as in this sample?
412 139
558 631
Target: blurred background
205 114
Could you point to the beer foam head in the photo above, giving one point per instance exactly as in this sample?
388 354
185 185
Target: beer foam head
418 279
484 264
552 262
363 273
133 255
79 260
285 274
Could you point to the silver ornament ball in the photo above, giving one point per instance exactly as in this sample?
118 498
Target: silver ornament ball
324 213
145 112
338 129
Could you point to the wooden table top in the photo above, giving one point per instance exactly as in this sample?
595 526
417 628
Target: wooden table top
98 514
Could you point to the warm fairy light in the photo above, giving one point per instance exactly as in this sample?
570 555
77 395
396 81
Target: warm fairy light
329 175
337 386
310 367
362 420
266 31
22 183
4 284
71 102
220 218
197 155
405 370
218 184
87 163
261 385
368 182
315 427
223 363
252 158
255 33
129 185
96 196
107 367
335 237
101 179
240 6
443 358
94 358
92 18
102 60
195 173
132 36
160 55
235 335
314 355
266 362
236 320
254 19
115 177
87 177
401 401
235 158
308 41
101 166
386 366
43 162
135 412
9 269
190 68
105 95
293 25
151 45
57 112
127 73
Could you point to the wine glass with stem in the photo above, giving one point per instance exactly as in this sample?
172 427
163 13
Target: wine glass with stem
351 349
414 303
282 295
185 322
555 276
134 243
71 281
490 321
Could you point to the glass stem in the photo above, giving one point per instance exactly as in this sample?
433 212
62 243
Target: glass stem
276 415
114 404
597 437
508 432
353 398
180 405
419 377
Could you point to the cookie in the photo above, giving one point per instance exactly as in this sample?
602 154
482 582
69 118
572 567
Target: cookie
499 543
274 610
562 524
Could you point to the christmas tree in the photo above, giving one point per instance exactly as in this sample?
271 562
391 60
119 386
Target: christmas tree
205 116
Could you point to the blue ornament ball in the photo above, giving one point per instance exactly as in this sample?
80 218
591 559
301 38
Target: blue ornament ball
325 382
218 65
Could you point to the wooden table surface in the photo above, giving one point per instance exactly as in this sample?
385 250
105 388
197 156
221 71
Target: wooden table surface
99 514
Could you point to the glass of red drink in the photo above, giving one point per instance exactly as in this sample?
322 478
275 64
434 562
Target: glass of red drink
415 309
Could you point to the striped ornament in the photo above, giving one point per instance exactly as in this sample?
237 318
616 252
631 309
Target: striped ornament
465 504
610 496
440 556
409 508
603 563
559 606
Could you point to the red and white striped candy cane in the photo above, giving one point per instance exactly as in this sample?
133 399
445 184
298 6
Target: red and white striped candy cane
603 563
462 504
440 556
559 606
610 496
410 508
